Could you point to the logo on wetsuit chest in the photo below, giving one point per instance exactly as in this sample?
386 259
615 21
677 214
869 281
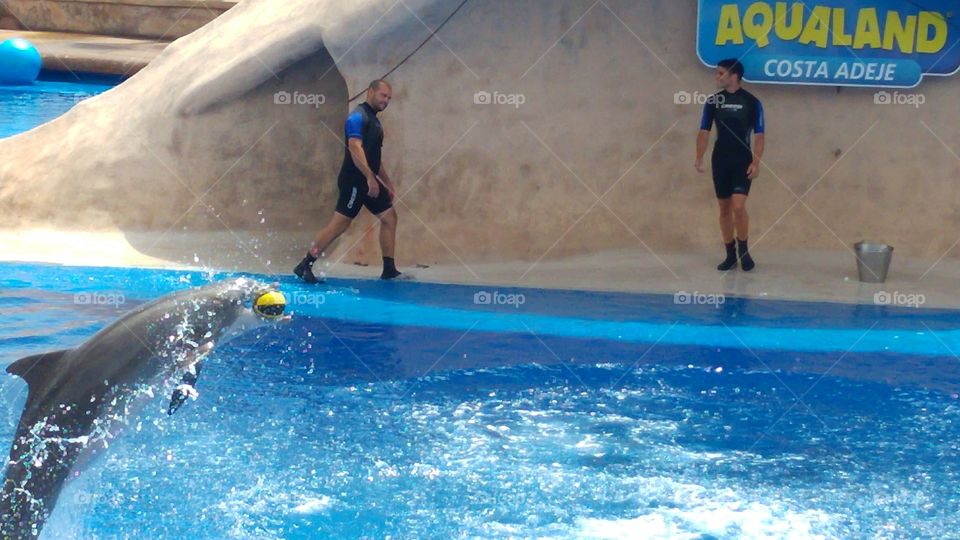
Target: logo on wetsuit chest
731 106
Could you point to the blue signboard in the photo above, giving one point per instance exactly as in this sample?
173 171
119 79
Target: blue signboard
879 43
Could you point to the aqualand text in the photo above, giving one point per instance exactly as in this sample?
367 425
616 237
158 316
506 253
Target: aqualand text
925 32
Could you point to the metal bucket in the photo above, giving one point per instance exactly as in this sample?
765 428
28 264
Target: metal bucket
873 261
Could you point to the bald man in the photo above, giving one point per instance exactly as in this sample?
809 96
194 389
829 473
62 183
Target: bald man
363 182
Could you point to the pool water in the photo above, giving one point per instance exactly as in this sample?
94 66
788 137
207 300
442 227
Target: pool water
25 107
405 410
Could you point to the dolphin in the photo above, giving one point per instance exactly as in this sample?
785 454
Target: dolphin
79 398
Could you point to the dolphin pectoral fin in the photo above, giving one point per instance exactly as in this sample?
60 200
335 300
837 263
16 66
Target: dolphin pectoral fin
180 396
193 364
196 356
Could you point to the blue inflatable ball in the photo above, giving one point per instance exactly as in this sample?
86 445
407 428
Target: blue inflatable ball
19 62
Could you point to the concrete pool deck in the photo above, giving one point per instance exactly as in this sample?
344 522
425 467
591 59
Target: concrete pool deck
811 275
86 53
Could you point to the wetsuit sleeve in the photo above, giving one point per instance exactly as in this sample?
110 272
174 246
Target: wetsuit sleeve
706 121
759 124
354 125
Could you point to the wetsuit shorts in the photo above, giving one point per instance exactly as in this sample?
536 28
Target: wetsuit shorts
730 177
353 196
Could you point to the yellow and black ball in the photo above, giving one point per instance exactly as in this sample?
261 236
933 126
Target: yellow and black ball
270 305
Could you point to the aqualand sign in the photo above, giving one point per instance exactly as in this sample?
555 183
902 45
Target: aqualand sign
878 43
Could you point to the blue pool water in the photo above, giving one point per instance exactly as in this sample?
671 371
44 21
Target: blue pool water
25 107
406 410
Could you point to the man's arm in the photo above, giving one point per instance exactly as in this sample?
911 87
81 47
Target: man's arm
703 138
387 181
754 169
360 160
759 129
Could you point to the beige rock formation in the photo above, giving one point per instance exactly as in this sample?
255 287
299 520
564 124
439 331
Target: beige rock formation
598 155
159 19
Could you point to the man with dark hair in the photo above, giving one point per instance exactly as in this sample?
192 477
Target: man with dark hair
735 161
361 176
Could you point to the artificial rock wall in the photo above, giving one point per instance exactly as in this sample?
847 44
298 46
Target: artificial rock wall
586 143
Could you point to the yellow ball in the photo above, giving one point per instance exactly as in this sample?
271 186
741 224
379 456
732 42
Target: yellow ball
270 304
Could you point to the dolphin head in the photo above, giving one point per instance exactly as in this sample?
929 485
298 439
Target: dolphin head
256 304
175 330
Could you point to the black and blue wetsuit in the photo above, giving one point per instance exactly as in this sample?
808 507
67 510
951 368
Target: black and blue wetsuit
362 124
737 115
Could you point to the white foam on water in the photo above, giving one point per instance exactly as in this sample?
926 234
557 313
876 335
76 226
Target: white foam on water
679 510
315 505
255 510
750 521
608 366
650 526
588 444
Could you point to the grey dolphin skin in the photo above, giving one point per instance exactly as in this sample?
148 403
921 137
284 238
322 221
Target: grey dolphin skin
78 396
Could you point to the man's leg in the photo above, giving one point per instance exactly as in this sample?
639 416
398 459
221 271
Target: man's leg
723 187
741 221
388 242
726 219
726 233
338 225
740 217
